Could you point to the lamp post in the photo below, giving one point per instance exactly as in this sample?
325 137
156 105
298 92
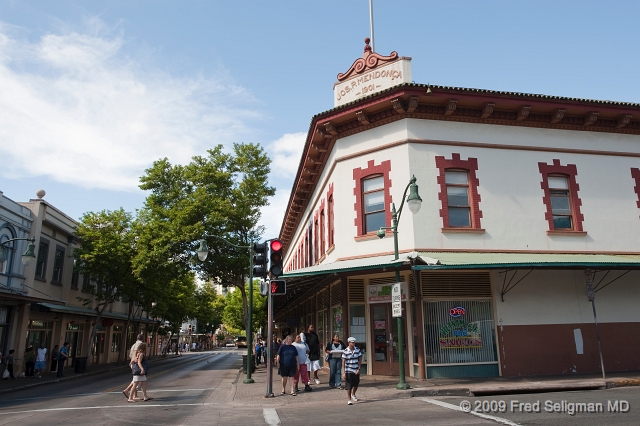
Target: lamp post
27 257
203 251
414 201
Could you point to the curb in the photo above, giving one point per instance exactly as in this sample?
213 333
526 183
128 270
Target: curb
623 383
440 392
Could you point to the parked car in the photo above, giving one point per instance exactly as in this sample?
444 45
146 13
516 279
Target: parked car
230 344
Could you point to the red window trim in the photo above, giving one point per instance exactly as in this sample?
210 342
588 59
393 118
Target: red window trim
322 229
571 171
635 174
470 166
359 175
331 207
316 229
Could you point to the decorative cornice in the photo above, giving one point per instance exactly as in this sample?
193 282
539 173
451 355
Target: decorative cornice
591 118
363 118
398 105
523 112
487 110
624 121
369 61
450 106
557 116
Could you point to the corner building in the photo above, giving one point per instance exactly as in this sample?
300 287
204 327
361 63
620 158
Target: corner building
530 210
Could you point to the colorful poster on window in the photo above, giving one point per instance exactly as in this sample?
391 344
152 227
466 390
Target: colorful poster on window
459 333
382 293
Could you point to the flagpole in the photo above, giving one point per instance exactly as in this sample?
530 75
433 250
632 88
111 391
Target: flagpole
373 48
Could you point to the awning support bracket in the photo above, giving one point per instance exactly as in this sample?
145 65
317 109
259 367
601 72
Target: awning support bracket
507 287
598 288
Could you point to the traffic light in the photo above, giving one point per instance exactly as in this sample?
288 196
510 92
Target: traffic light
278 287
189 331
276 258
260 260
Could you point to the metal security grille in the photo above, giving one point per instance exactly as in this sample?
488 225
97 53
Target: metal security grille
438 285
459 331
356 290
336 293
412 289
383 280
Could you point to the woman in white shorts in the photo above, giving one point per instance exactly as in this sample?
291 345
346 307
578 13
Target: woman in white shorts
140 367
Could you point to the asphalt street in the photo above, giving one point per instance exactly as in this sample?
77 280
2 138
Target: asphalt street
200 389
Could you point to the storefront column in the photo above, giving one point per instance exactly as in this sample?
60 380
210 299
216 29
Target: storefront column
19 339
345 308
422 373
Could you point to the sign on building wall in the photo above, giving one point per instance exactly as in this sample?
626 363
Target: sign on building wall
372 81
382 293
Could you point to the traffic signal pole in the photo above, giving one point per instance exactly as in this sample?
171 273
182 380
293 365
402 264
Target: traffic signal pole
250 321
270 343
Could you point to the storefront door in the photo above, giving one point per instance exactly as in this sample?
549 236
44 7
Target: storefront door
386 359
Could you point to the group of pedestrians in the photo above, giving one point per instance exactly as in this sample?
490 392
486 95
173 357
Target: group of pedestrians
36 361
298 357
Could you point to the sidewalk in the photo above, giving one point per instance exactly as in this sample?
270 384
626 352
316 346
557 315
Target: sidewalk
384 387
50 377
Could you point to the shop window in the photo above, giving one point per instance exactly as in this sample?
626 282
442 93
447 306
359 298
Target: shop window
316 249
322 233
357 327
373 198
459 193
116 339
561 196
41 261
459 332
336 321
58 262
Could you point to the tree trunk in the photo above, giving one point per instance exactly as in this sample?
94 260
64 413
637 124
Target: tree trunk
125 334
93 330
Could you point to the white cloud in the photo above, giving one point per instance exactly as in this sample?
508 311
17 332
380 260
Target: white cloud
75 108
273 214
285 154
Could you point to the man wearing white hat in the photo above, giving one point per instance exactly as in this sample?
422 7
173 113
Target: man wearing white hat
351 361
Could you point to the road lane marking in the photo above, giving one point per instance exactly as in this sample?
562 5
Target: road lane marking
271 416
98 407
481 415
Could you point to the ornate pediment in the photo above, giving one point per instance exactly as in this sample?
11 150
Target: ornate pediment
369 61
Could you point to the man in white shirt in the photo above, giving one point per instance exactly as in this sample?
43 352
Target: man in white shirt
351 361
41 360
303 351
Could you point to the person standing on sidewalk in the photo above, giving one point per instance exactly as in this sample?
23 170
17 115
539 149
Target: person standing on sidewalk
30 361
41 360
334 351
288 364
312 339
351 361
303 351
54 359
8 363
63 355
258 352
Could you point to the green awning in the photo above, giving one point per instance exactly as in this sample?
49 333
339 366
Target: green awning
351 265
457 260
81 310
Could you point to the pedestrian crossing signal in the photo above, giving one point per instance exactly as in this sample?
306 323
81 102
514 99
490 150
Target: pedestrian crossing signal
278 287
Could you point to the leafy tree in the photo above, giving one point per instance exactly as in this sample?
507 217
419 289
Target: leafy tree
208 308
219 195
233 316
106 249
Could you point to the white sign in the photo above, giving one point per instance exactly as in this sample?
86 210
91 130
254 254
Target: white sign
396 300
372 81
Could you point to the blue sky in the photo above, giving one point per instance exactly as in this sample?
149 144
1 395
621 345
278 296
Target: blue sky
92 92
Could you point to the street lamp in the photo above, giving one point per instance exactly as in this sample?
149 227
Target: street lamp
414 202
203 251
27 257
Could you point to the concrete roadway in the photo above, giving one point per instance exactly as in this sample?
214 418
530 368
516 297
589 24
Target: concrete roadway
198 389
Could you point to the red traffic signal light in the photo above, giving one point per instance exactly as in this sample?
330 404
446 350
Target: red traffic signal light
278 287
276 258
